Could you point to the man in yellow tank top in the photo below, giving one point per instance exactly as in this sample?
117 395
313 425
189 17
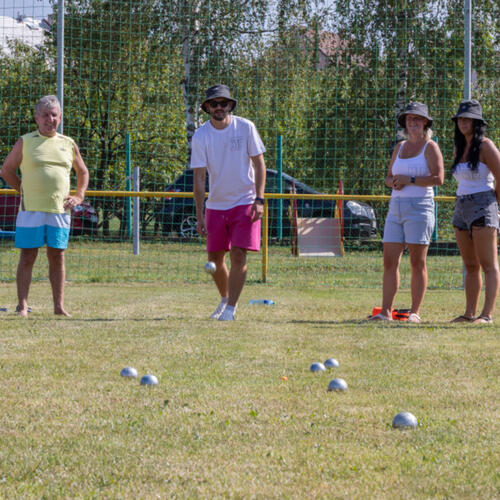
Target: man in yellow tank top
45 159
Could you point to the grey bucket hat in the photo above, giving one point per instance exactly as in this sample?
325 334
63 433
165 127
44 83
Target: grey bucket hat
470 109
414 108
215 92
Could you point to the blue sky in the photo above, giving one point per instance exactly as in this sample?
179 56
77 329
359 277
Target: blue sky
33 8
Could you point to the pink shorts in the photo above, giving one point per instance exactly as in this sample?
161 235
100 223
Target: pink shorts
233 227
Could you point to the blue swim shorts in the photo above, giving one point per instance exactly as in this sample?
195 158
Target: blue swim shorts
34 229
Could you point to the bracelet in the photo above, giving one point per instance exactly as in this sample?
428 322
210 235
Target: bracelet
260 200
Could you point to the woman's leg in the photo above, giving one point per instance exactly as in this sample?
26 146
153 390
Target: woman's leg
485 246
392 258
473 281
418 255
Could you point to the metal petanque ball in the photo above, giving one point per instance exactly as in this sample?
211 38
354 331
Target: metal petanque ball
331 363
337 384
149 380
317 367
210 267
404 420
128 371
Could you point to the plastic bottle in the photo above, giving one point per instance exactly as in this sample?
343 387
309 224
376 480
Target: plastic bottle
265 302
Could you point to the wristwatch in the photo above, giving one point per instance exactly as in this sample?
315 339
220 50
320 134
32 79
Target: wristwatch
260 200
412 180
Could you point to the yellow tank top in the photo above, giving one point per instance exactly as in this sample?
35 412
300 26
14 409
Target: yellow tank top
45 172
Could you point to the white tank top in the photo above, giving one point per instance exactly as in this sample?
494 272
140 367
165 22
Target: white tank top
414 167
473 181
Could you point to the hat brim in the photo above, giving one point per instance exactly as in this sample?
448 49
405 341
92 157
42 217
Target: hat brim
204 105
402 119
469 115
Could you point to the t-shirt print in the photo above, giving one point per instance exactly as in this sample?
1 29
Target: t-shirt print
236 143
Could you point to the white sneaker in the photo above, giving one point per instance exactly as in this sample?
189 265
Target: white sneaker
218 310
227 315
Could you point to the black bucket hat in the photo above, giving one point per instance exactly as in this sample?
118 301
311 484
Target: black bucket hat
414 108
216 91
470 109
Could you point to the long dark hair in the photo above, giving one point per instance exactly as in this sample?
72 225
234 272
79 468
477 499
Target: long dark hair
460 143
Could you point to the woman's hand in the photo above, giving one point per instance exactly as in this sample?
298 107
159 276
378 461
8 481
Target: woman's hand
400 181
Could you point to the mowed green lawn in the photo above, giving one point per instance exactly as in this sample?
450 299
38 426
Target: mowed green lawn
222 423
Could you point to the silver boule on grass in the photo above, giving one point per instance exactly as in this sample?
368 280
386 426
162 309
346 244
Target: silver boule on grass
317 367
149 380
331 363
128 372
210 267
338 385
404 420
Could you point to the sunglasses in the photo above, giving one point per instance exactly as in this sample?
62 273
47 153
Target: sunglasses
222 104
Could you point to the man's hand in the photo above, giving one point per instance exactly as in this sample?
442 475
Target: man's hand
257 211
72 201
201 228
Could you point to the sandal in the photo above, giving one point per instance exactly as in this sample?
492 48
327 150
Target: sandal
379 317
414 318
482 320
463 319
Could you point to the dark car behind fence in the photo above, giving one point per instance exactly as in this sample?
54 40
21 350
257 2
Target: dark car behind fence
177 216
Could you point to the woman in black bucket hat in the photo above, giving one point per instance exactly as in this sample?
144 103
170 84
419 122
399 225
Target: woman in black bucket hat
476 167
415 167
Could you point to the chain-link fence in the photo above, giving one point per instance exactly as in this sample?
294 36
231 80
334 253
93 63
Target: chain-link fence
322 80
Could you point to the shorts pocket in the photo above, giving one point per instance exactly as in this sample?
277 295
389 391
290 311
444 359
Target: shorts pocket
422 205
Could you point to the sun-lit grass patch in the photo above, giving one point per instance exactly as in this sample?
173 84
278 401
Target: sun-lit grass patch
222 422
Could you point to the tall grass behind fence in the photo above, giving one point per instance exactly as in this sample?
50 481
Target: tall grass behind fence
328 77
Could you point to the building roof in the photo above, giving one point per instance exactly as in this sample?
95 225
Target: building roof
26 30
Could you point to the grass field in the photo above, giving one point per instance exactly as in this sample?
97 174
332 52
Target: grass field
104 262
222 423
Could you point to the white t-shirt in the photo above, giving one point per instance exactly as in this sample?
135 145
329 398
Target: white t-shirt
473 181
226 155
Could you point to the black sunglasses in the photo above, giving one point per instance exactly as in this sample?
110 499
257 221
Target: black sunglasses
222 104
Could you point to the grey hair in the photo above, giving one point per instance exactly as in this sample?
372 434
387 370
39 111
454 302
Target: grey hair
48 101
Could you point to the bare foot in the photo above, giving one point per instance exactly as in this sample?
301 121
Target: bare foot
62 312
23 312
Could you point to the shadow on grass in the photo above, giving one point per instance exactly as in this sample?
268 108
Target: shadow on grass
445 325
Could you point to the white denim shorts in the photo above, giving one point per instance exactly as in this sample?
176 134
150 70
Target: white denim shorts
410 220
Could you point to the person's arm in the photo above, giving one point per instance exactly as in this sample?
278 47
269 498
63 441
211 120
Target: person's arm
259 167
11 164
199 179
82 181
491 158
435 163
389 177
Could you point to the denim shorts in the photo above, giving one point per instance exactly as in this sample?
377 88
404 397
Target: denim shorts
478 209
409 220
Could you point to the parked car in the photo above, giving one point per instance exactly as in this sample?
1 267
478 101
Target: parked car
84 218
179 215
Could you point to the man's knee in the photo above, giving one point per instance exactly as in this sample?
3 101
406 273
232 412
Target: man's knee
238 256
55 255
28 256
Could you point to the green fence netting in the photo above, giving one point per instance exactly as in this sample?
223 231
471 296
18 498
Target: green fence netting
322 80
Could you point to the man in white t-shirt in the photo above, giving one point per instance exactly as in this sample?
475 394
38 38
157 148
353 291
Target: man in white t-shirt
230 149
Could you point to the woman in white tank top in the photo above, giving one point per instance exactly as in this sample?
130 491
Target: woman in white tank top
416 166
476 167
